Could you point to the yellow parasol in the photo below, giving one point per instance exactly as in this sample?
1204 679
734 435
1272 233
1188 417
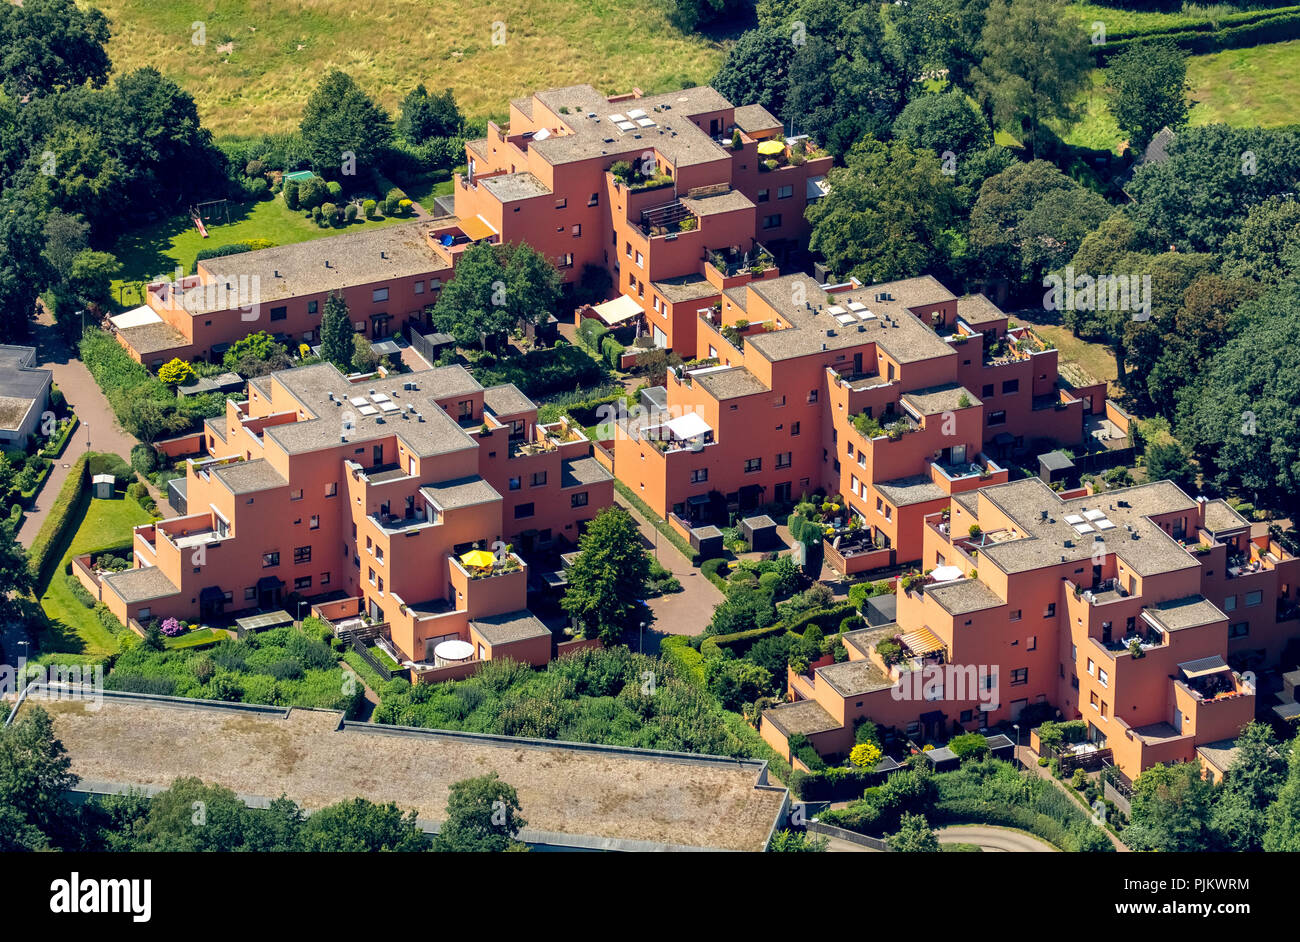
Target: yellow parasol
479 559
771 148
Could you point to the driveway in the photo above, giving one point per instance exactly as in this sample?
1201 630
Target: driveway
683 613
993 839
85 397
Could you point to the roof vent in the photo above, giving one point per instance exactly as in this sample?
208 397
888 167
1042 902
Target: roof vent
1068 544
331 397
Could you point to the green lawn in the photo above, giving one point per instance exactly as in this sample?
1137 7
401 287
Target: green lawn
1123 21
74 628
1096 358
1245 87
256 61
158 249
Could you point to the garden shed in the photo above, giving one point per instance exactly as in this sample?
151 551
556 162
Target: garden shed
1055 466
103 486
707 541
760 533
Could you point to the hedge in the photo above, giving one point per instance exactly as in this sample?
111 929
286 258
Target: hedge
710 569
55 446
657 521
45 551
837 784
612 351
1160 29
739 642
687 662
229 248
1196 41
591 333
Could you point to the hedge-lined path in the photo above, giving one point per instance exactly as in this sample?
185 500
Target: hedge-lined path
87 400
689 611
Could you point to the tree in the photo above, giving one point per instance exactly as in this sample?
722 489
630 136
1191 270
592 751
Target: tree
1283 832
887 214
1169 462
1214 176
1030 218
865 755
361 826
942 34
91 276
50 45
607 580
494 289
736 682
757 69
191 815
176 372
1265 245
424 116
969 746
1171 809
1034 61
1239 419
914 835
941 123
341 119
1148 83
482 817
533 284
690 15
1250 785
22 269
254 347
66 237
786 841
743 609
337 335
15 577
35 774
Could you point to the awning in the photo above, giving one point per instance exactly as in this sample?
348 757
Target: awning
689 426
477 228
269 582
211 593
1202 667
136 317
946 573
622 308
921 642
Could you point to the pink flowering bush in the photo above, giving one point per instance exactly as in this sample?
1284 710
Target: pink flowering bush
171 627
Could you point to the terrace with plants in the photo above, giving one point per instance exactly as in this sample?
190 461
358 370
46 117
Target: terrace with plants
731 262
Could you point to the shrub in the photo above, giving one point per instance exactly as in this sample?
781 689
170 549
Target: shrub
350 213
291 194
612 351
865 755
311 193
404 207
369 207
176 372
335 190
257 188
144 459
969 746
391 206
79 591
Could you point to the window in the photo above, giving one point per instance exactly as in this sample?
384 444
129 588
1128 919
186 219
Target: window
1093 700
379 294
578 500
295 494
1015 615
1020 676
515 484
1239 630
331 489
371 576
595 200
699 475
1230 604
1051 610
302 582
302 554
784 459
523 511
539 479
627 248
324 578
640 260
270 559
753 464
562 202
1103 678
785 192
794 428
988 390
764 196
998 418
1010 386
250 593
778 402
772 222
1092 668
313 523
812 396
1032 643
313 307
279 313
1254 598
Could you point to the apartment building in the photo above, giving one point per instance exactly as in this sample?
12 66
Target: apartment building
387 275
718 196
896 396
1137 610
365 494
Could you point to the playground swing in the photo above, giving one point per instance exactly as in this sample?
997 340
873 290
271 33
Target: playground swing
201 212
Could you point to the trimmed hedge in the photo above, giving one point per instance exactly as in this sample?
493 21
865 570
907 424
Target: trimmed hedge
46 549
739 642
55 446
1196 40
658 522
710 569
230 248
685 660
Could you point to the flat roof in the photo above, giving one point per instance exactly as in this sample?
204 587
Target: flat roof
935 400
730 383
140 585
461 492
754 118
964 596
153 338
1190 612
802 717
369 255
246 477
849 678
637 799
1220 517
510 627
693 287
509 187
18 378
577 471
915 489
506 399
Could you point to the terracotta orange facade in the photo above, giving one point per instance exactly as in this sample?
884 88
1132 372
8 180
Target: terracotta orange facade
892 395
1137 610
366 493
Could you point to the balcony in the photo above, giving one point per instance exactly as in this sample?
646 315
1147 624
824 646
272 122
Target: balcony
1018 343
730 263
1100 592
982 467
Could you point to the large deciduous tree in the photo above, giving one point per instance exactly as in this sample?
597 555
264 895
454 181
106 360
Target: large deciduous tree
607 581
757 69
482 817
1148 83
48 45
340 119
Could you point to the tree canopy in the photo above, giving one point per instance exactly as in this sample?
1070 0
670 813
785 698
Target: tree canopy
340 119
1149 85
607 580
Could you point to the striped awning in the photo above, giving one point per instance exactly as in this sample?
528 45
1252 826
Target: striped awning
921 642
1202 667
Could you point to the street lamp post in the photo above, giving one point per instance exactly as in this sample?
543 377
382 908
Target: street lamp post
1016 727
640 635
87 428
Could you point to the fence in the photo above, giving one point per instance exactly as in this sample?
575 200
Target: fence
359 646
853 837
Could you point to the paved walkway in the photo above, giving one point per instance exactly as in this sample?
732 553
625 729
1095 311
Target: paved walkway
87 400
988 838
683 613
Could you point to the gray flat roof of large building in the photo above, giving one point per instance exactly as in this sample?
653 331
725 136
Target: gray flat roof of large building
964 596
753 118
685 288
916 489
673 133
802 717
1193 611
140 585
849 678
590 795
370 255
427 431
1141 544
978 309
936 400
717 203
812 328
1220 517
507 400
19 378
